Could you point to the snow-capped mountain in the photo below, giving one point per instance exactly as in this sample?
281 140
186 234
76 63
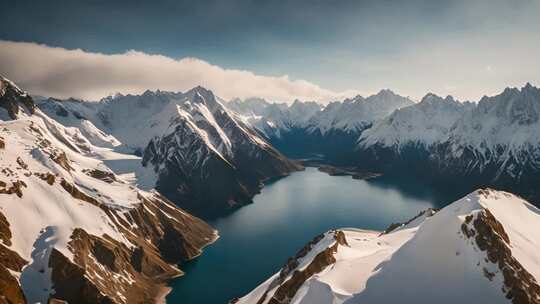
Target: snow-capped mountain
209 160
482 248
502 130
273 119
73 230
305 128
494 142
422 124
356 114
204 157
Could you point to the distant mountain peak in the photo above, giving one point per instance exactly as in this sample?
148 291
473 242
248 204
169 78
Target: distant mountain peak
201 92
434 98
385 92
355 99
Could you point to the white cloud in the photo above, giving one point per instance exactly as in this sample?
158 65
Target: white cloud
58 72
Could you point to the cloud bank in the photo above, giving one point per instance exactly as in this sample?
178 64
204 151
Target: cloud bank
62 73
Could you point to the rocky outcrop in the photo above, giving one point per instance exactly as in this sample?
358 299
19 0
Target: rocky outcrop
14 100
48 177
105 176
15 188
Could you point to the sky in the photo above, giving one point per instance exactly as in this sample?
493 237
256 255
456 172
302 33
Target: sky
280 50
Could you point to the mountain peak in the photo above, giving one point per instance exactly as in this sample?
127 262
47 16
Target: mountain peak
357 98
529 88
201 91
431 97
386 92
14 100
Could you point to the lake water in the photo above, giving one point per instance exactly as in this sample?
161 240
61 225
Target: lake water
256 240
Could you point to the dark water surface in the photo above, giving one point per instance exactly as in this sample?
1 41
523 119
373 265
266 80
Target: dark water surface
257 239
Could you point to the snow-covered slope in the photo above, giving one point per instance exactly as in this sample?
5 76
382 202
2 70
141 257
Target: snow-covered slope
72 229
133 120
71 113
483 248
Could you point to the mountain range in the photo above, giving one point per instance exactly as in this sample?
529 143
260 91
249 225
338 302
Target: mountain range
446 142
99 196
307 129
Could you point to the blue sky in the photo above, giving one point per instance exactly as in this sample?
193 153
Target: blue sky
464 48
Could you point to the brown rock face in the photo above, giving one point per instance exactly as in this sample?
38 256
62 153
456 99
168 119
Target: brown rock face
107 177
61 159
5 233
48 177
70 283
105 270
519 285
78 194
10 290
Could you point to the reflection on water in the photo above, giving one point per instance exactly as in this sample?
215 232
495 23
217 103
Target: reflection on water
257 239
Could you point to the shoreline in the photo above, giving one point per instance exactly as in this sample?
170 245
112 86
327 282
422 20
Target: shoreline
161 297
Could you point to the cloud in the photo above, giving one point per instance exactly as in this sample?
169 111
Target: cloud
62 73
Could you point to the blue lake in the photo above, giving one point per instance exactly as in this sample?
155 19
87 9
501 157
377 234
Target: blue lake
256 240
